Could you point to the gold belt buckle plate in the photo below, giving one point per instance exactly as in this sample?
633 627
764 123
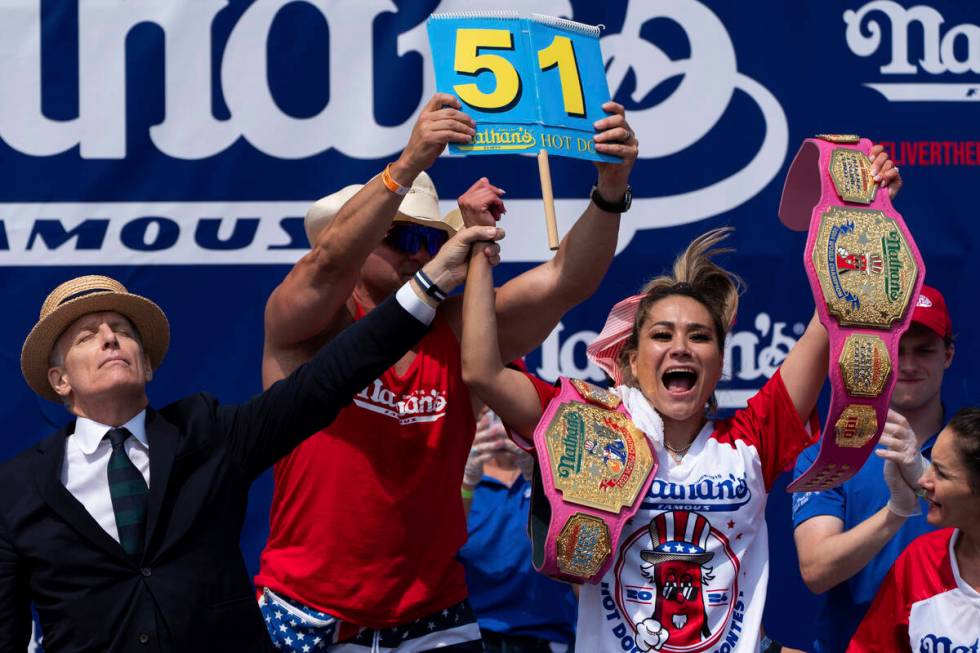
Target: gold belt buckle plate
583 545
864 266
864 365
598 457
856 426
850 170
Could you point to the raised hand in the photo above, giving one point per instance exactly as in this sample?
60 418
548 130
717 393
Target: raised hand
481 204
440 122
901 446
448 268
617 138
885 172
904 465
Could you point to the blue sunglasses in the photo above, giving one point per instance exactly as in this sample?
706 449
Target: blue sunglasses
410 237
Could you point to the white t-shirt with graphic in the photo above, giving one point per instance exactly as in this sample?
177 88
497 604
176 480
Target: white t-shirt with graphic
692 565
924 605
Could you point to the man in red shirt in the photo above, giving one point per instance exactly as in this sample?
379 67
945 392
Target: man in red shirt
367 518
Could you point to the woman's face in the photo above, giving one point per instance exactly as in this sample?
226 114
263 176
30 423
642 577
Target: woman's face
947 486
678 359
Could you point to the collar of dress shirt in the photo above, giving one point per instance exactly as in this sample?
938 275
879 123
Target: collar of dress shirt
90 433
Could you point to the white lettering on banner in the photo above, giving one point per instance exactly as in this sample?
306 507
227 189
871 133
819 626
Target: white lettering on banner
152 233
558 358
864 38
190 131
749 357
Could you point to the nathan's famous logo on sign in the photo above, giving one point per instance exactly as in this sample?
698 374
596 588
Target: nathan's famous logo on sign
919 34
215 50
503 139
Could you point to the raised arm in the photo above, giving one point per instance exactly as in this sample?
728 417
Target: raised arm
530 305
264 429
805 368
310 299
505 391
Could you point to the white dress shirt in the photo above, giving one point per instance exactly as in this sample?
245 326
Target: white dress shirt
84 471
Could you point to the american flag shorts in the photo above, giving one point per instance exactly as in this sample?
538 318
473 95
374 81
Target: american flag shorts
296 628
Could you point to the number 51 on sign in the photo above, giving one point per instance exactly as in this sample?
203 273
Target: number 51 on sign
531 84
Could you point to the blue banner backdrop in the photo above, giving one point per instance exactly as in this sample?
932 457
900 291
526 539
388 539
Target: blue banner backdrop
175 144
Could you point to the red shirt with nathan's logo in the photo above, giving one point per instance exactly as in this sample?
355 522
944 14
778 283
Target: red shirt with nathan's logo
924 605
366 516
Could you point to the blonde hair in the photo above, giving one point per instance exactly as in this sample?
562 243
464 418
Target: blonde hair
697 276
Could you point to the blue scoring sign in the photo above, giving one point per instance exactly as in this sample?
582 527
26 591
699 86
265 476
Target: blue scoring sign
529 83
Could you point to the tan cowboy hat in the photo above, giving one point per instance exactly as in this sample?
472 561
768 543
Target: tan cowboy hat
77 297
420 205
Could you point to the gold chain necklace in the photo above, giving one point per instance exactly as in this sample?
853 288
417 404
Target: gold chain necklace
678 452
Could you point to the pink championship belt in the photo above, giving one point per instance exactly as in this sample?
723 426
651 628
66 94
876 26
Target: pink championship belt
595 468
864 270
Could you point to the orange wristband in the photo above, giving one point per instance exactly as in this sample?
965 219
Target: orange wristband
391 184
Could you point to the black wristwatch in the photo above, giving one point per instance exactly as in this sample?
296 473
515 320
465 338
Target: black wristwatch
619 207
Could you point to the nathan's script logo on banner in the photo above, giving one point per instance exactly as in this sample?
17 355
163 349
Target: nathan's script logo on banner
530 83
934 50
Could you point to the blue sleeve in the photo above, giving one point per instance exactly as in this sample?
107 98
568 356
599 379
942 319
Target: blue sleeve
831 502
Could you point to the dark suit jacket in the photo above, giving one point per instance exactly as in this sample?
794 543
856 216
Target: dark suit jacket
190 591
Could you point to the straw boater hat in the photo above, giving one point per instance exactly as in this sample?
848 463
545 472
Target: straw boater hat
420 205
80 296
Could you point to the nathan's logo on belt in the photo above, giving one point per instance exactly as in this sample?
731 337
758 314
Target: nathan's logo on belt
891 245
864 266
570 461
594 456
413 407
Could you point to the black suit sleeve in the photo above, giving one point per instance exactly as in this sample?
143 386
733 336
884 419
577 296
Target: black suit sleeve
269 426
15 599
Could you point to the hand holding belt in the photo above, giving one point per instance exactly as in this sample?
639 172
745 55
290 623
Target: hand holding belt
864 271
595 469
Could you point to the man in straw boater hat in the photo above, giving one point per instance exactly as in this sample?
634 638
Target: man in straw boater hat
366 517
122 528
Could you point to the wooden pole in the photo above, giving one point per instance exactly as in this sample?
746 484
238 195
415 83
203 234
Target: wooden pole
544 170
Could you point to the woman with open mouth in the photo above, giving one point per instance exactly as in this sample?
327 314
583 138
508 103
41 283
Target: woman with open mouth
930 599
689 570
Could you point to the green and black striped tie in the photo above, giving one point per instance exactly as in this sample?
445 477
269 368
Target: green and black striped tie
129 493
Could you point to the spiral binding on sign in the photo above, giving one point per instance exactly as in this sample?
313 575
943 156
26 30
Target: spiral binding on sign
502 14
570 25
